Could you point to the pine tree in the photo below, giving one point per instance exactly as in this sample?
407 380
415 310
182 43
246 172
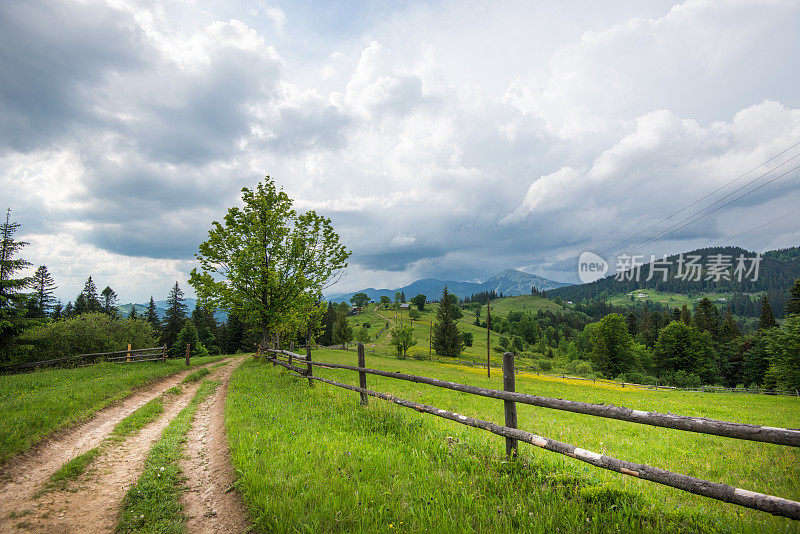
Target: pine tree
69 310
132 314
793 306
766 319
43 286
151 315
233 335
686 315
730 330
328 320
187 336
206 327
87 301
108 301
58 311
12 300
342 331
175 317
447 340
706 317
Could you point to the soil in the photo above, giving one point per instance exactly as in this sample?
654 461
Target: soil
92 502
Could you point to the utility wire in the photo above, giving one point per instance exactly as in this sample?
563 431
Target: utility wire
708 195
729 238
665 233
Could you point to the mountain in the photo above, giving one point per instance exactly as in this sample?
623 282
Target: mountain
508 282
161 308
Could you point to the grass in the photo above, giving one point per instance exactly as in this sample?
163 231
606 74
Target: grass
153 503
34 405
71 470
196 375
138 419
395 469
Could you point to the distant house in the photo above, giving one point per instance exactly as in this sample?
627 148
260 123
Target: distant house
723 299
405 305
355 310
641 295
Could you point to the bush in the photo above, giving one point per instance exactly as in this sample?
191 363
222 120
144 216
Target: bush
544 365
85 334
467 338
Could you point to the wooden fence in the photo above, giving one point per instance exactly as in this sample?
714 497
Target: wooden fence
723 492
121 356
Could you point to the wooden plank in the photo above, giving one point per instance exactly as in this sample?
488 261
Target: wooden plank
510 407
715 490
362 377
702 425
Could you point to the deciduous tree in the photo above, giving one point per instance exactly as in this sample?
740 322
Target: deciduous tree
267 261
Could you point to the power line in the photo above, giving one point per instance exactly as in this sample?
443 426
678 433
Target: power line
729 238
665 233
710 194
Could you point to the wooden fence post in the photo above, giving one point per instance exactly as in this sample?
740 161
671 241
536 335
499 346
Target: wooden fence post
129 353
188 350
510 406
309 367
362 376
164 353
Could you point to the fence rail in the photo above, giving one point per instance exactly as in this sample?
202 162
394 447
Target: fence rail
129 355
723 492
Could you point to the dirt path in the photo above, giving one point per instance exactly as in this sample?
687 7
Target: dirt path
210 503
25 475
92 502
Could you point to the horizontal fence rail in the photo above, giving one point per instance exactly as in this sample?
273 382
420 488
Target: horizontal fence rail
148 354
723 492
766 434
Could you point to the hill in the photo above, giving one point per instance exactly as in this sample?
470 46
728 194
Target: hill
509 282
161 308
776 272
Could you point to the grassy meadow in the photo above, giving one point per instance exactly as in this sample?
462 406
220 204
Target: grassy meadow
311 459
34 405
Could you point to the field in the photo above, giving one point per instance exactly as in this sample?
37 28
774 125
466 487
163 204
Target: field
673 300
37 404
310 459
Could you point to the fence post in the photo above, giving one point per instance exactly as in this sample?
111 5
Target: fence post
309 367
188 350
362 376
510 406
164 353
129 353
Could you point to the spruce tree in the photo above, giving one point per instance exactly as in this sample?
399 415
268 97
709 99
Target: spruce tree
87 301
793 306
233 335
766 319
175 317
206 327
132 314
447 340
69 310
43 286
108 301
58 311
686 315
12 300
328 320
342 331
187 336
730 330
151 315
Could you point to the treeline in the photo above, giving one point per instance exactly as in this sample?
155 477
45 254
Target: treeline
777 270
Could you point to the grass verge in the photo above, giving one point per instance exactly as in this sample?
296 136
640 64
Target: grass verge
34 405
310 459
71 470
196 375
152 504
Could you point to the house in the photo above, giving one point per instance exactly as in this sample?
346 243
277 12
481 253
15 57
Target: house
355 310
405 305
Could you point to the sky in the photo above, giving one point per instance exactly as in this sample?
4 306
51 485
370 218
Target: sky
449 139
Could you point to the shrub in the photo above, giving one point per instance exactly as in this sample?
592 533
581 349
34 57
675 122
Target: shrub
85 334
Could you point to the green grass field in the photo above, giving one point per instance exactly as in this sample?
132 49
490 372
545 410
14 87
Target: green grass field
34 405
673 300
311 459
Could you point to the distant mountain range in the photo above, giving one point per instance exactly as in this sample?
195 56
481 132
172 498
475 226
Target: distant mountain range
161 308
509 282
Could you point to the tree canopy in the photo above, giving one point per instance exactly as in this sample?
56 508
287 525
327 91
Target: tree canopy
266 261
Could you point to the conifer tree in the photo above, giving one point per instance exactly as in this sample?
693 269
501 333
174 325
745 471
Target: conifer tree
69 310
730 330
87 301
793 306
132 314
12 299
706 317
766 319
58 311
151 315
342 331
206 327
686 315
187 336
233 334
43 286
108 301
175 317
447 340
328 320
